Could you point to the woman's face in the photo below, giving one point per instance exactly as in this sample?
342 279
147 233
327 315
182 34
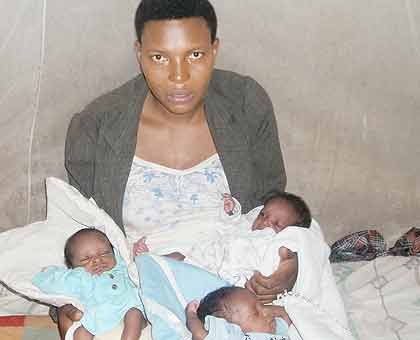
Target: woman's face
177 59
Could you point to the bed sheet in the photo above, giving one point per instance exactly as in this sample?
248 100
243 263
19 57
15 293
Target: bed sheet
382 298
27 328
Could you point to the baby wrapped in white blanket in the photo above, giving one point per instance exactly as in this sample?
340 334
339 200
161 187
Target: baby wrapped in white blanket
237 251
234 245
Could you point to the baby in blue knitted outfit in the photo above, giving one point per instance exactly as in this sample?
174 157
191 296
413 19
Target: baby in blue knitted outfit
98 277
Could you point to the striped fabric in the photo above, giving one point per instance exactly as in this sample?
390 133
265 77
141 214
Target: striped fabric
363 245
366 245
408 244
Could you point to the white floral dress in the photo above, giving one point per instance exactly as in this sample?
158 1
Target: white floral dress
158 199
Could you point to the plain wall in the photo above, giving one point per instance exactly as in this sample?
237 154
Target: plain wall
344 78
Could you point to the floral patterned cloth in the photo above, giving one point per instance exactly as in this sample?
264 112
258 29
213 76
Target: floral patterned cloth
157 198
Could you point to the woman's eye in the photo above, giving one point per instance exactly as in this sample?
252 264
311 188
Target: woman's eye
196 55
158 58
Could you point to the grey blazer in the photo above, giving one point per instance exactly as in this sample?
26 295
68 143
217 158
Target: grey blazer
101 141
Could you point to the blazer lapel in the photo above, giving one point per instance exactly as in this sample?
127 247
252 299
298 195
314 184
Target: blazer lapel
231 142
116 148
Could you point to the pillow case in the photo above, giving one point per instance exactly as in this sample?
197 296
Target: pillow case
26 250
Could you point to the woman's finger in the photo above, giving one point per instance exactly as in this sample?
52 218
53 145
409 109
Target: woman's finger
72 312
265 299
267 282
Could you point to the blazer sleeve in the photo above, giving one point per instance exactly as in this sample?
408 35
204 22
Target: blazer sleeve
267 156
80 150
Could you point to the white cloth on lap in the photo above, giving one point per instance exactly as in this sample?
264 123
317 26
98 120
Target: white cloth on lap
234 251
315 305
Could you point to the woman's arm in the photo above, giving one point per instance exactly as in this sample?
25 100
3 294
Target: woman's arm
284 278
79 154
266 151
176 255
67 314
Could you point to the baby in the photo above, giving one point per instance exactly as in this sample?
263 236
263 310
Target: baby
98 277
280 210
283 209
241 307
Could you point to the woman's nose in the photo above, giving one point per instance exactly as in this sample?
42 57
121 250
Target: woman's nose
179 72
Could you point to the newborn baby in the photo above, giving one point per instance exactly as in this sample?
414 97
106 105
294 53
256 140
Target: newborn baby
240 307
98 278
242 244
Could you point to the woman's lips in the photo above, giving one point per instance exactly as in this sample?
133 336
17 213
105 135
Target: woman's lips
180 97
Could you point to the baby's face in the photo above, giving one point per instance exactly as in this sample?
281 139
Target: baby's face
94 253
250 314
276 214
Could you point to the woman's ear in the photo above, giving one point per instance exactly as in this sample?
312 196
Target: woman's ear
137 48
215 46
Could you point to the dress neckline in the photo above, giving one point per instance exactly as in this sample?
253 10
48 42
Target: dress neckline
140 161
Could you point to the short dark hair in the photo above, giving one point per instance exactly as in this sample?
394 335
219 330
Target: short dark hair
68 247
214 303
175 9
296 203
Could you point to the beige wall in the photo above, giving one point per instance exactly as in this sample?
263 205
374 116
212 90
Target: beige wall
344 77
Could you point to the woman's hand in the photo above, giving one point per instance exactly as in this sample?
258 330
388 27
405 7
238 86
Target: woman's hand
284 278
191 309
67 314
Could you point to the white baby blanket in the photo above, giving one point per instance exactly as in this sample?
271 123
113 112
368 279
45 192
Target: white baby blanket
314 305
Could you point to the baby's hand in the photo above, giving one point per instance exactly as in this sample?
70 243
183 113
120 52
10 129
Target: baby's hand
140 246
228 204
191 308
194 324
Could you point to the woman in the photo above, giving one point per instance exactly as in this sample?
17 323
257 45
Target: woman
181 126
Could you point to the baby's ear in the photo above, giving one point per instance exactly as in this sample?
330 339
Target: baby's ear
68 264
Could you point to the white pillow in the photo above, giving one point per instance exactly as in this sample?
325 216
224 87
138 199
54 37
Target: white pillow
26 250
